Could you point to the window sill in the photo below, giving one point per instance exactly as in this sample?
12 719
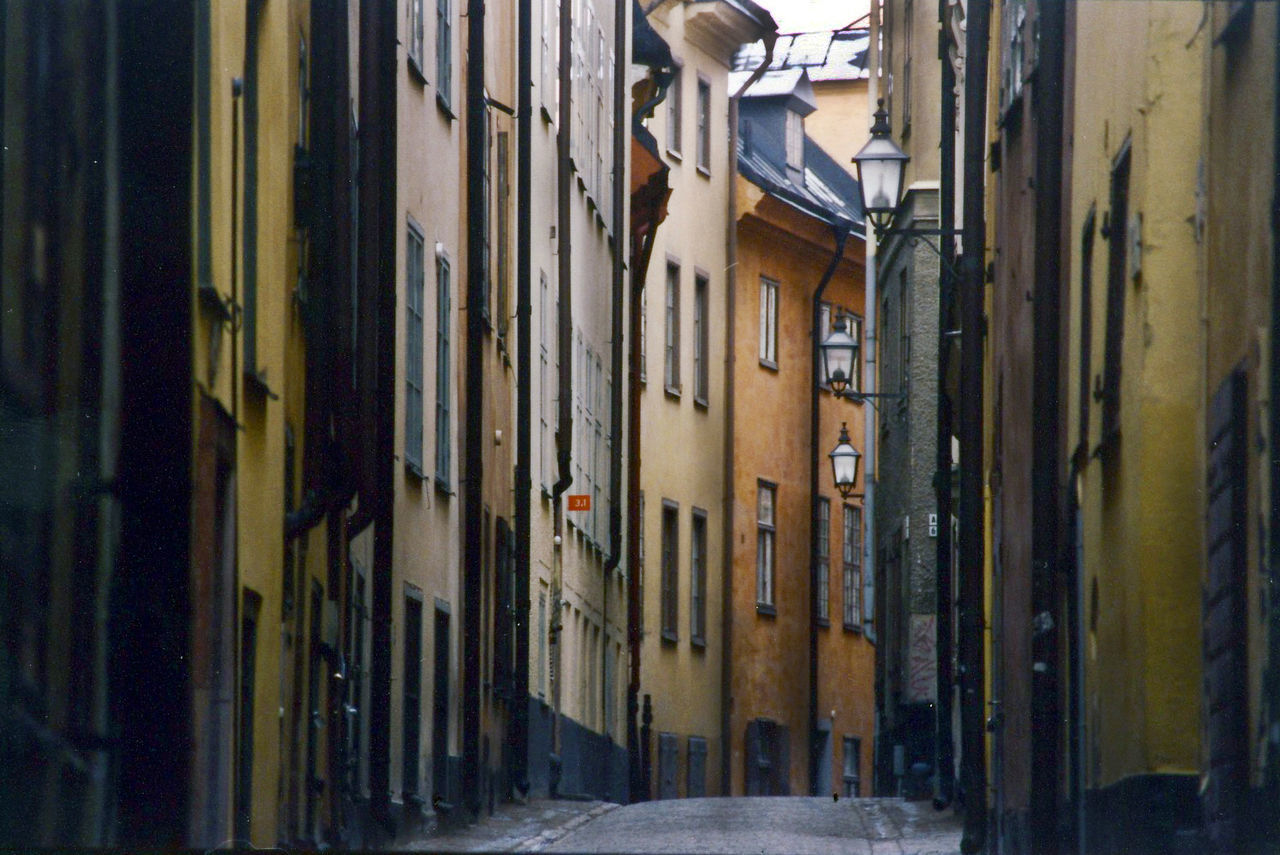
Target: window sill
771 365
443 104
853 628
674 154
824 623
671 392
546 114
701 402
669 637
415 72
698 643
704 171
414 471
442 487
766 609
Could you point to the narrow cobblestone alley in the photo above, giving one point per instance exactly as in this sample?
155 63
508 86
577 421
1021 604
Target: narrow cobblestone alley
804 826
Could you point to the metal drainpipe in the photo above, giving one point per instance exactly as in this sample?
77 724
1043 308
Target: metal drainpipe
1047 311
1273 670
564 353
524 403
620 133
871 336
840 232
942 474
473 531
972 324
731 285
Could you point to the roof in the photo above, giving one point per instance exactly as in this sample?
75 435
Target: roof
757 13
828 192
826 54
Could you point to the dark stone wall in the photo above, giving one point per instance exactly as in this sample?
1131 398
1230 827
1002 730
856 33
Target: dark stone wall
591 765
1145 814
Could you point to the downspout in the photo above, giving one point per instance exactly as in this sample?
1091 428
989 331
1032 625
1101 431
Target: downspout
524 403
731 287
473 479
942 471
1046 528
620 134
564 355
1273 670
840 232
972 326
870 334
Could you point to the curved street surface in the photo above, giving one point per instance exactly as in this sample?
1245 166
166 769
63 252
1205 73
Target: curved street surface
766 825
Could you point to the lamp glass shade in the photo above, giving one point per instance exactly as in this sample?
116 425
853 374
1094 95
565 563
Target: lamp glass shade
839 350
880 165
844 463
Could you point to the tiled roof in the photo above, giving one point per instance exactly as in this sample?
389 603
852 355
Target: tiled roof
827 55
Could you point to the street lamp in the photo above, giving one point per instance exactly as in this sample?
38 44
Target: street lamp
844 463
839 351
880 165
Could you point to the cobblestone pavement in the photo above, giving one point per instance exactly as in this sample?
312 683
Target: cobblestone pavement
513 827
803 826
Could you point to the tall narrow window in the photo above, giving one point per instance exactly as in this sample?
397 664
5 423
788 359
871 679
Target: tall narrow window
640 551
698 578
443 369
823 604
414 47
644 333
670 570
674 108
852 566
795 141
501 310
546 453
252 604
1086 324
411 711
444 53
486 224
1118 237
765 497
704 125
671 349
768 322
413 350
701 340
852 759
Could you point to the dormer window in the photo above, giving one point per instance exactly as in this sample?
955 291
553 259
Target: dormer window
795 142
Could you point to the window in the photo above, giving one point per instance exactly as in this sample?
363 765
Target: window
411 710
501 310
444 54
704 125
550 44
852 565
795 141
1117 236
698 578
701 372
546 451
414 47
823 612
852 760
413 347
1086 323
640 550
644 333
696 787
486 220
671 344
443 309
768 322
764 546
670 570
674 108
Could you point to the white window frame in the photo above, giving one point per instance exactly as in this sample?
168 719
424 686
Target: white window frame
766 545
671 341
444 308
769 292
415 273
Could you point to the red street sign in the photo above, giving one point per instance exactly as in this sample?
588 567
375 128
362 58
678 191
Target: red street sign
580 502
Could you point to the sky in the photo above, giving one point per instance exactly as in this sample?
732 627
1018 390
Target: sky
794 16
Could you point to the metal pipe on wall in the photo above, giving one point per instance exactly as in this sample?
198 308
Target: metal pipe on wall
473 486
973 328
